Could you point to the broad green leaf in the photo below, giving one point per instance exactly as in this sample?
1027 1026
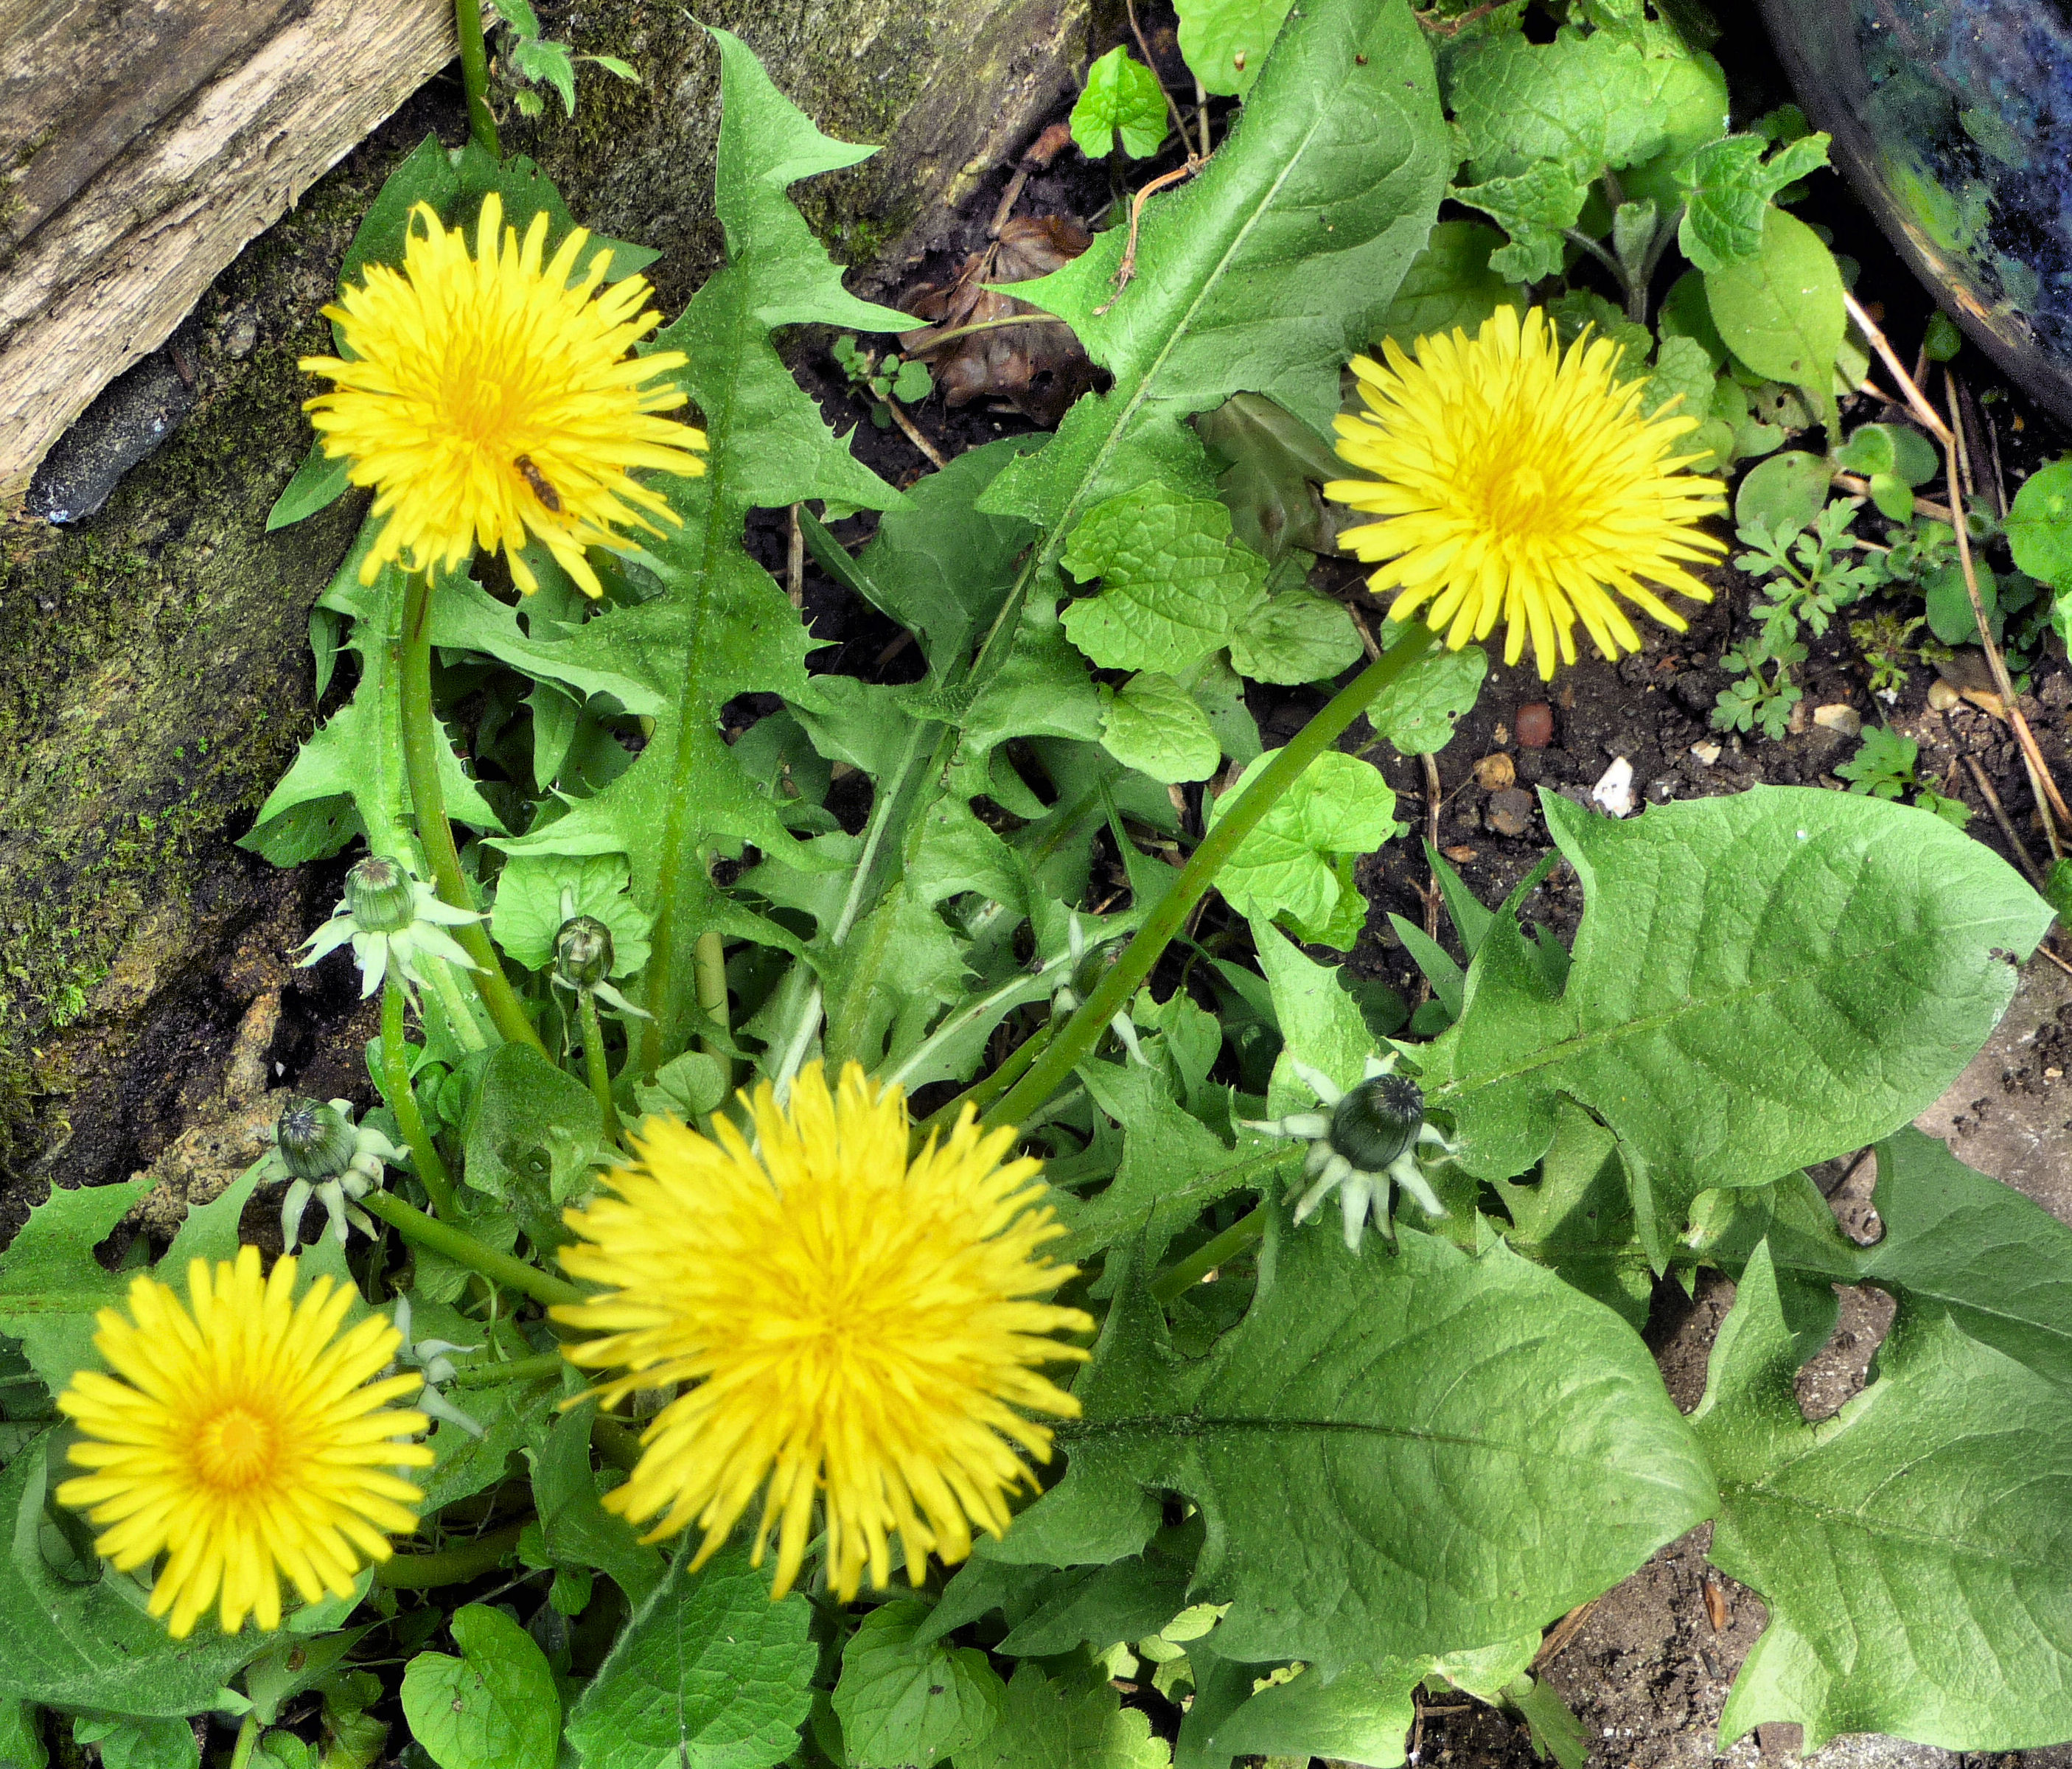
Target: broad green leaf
1173 1166
1397 1455
2039 526
1581 102
51 1285
1296 636
1536 208
494 1707
529 910
1121 98
21 1744
91 1646
1273 465
1357 1716
1098 1606
1263 274
1340 806
1449 285
1785 493
1065 1723
709 1672
1152 724
1911 1550
907 1704
138 1744
1321 1024
721 626
1417 711
1174 587
1728 187
1682 373
1850 954
1575 1218
1226 42
531 1131
1781 311
577 1531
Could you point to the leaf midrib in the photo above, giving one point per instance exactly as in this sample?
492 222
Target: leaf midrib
1881 1531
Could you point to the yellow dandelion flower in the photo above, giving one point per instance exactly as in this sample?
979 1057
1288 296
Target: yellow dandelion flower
243 1435
489 396
856 1324
1520 482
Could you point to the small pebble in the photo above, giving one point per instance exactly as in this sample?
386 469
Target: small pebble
1613 792
1536 725
1942 696
1460 856
1494 773
1509 812
1841 716
239 335
1707 753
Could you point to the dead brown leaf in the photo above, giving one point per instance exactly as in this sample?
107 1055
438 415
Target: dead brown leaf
1036 369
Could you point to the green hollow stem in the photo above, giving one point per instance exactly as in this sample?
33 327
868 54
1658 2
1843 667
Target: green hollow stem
517 1369
1171 1285
594 1065
403 1101
709 968
248 1737
1071 1046
463 1248
981 1093
618 1444
453 1566
422 737
474 76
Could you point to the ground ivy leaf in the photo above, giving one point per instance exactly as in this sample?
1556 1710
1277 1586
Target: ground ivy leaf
1296 636
904 1705
709 1672
1404 1455
1579 101
1536 208
1174 586
1061 1723
1728 187
1417 711
1911 1550
1153 725
1850 954
1781 311
1226 42
1339 806
1121 96
494 1707
92 1646
529 913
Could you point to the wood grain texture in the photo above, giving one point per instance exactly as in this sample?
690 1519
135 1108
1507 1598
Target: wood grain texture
175 134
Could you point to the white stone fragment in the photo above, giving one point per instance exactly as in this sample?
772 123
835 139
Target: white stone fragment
1613 792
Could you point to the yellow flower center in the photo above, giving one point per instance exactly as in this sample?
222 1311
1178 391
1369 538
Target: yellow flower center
235 1451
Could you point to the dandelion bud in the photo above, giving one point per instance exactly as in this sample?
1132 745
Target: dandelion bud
1377 1121
583 953
316 1141
378 895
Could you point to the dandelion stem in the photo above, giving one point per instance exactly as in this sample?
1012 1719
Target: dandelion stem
1170 1285
519 1369
463 1248
421 737
474 76
455 1565
982 1092
708 966
403 1102
1082 1031
593 1065
248 1737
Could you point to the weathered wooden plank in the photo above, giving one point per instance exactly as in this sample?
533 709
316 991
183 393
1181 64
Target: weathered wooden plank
173 169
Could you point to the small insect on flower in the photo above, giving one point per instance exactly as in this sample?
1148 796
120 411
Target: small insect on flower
246 1438
856 1327
1522 483
494 397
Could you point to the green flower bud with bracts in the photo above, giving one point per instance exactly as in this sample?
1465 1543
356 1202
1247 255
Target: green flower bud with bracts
1087 962
433 1358
583 957
395 921
325 1156
1371 1137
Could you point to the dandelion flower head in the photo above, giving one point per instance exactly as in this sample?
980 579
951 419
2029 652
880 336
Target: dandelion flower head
1519 482
492 395
853 1325
243 1436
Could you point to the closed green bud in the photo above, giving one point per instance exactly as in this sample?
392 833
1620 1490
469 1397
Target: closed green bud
583 953
1377 1121
379 896
315 1141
